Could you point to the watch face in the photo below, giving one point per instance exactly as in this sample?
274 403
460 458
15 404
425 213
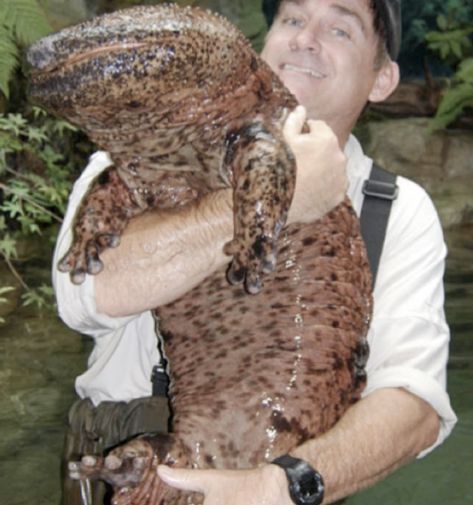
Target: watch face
309 488
306 486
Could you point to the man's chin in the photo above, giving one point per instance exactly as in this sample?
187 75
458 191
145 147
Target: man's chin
301 86
304 97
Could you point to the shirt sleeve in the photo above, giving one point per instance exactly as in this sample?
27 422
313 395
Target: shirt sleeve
409 336
76 303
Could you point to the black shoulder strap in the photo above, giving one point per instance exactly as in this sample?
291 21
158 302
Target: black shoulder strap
380 190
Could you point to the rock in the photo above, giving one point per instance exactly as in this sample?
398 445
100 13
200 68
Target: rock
412 98
440 162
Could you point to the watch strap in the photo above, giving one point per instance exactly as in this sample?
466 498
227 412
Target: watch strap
301 477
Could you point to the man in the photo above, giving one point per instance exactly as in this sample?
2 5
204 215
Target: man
334 55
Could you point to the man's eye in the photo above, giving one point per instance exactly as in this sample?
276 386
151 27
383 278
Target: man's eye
292 21
339 32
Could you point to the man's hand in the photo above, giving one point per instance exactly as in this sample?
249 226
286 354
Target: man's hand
321 167
377 435
266 485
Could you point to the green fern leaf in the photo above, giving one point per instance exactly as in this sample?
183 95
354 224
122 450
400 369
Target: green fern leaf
8 58
21 23
27 20
7 19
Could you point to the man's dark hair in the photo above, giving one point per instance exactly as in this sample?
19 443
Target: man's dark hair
379 24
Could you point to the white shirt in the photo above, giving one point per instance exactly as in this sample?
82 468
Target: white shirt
408 336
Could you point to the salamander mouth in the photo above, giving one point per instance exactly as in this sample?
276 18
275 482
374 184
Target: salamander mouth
98 51
39 67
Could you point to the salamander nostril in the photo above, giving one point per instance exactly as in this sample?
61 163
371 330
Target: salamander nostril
40 55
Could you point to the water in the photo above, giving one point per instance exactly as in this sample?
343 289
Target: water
39 359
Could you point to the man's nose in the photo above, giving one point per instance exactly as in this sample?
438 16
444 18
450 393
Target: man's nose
305 39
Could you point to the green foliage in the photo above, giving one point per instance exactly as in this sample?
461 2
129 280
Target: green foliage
41 297
35 181
457 98
21 23
419 18
32 198
452 42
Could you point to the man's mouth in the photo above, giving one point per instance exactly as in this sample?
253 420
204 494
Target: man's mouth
302 70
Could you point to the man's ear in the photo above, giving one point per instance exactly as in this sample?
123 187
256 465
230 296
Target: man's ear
386 82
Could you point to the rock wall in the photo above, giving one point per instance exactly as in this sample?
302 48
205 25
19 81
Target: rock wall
441 162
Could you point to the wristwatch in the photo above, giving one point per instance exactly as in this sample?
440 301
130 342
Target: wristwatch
306 486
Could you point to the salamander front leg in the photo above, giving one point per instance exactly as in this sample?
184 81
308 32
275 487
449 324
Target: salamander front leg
263 171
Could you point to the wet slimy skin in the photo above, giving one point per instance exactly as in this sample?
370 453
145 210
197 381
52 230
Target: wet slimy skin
185 107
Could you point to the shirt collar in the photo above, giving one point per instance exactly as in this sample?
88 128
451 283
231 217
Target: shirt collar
358 163
358 169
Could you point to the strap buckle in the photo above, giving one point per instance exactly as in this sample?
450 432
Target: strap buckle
160 381
379 189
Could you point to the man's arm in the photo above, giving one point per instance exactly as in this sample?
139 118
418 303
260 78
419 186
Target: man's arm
377 435
162 255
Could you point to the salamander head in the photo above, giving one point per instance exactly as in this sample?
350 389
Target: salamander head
136 58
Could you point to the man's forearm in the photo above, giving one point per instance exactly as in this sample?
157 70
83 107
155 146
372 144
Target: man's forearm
163 255
377 435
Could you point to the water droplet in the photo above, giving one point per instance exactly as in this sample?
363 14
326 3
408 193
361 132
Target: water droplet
271 432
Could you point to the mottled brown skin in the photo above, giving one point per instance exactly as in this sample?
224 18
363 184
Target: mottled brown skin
251 376
184 106
256 376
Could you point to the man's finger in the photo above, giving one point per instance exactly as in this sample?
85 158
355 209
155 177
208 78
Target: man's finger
294 122
320 126
187 480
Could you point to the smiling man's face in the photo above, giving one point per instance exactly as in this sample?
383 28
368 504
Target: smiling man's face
324 51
